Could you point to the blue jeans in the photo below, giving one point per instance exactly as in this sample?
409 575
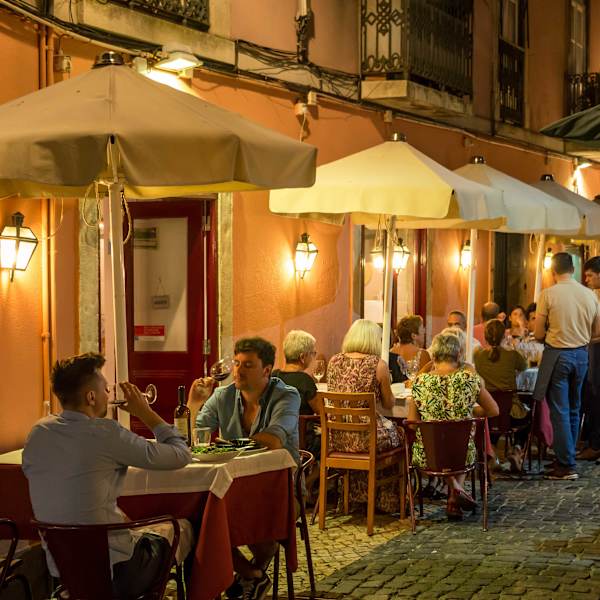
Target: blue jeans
564 400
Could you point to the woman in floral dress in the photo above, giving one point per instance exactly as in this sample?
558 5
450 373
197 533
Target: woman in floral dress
359 368
449 392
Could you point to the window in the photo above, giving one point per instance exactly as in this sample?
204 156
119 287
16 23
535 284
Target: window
578 37
510 21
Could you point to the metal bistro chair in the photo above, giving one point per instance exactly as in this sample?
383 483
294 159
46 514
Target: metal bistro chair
81 555
306 460
445 444
502 424
9 531
347 413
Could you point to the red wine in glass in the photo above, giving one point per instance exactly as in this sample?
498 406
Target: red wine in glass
150 394
222 369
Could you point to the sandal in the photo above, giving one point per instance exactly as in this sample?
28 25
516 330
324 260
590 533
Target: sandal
464 500
453 510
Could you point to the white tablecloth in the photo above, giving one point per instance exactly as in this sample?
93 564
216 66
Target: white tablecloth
195 477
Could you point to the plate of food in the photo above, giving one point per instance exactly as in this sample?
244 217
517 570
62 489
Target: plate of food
213 453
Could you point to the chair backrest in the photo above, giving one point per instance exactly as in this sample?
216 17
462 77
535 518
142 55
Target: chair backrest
8 531
354 413
306 460
81 555
445 443
504 399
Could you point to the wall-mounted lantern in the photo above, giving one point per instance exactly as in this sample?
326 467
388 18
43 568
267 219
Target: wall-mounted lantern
548 259
17 244
401 255
466 255
306 253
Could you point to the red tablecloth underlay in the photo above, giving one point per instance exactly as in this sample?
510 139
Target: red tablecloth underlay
256 508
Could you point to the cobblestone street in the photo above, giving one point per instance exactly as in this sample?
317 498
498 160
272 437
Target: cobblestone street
543 542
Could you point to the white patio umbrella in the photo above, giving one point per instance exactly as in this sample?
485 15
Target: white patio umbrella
394 180
588 211
114 126
529 210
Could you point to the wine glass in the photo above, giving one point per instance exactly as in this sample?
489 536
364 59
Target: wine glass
222 369
412 368
150 394
319 370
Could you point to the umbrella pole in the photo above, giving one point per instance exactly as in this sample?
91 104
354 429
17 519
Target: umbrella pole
471 296
118 287
387 290
539 264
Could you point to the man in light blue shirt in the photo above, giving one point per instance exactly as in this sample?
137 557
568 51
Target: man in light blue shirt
76 464
257 406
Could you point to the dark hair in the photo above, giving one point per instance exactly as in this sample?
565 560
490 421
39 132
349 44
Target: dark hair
462 316
562 263
70 375
494 333
263 349
593 264
530 309
490 310
408 325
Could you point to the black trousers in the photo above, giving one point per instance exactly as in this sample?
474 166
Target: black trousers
591 399
133 577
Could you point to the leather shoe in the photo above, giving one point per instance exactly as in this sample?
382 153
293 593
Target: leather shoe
588 454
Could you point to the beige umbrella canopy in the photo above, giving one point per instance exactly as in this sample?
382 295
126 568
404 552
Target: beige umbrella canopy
54 141
395 180
589 211
114 126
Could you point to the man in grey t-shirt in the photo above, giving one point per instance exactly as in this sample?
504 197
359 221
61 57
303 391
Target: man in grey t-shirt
567 318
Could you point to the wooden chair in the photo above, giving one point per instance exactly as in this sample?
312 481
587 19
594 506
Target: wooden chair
446 444
82 557
8 565
306 460
355 413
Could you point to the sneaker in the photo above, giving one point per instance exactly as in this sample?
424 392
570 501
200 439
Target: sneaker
562 473
588 454
257 588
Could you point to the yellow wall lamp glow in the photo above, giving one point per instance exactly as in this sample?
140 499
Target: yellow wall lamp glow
548 259
17 245
399 258
466 255
306 253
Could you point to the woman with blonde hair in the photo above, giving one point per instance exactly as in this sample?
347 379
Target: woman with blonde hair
359 368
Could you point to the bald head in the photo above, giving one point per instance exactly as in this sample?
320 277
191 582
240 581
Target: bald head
489 311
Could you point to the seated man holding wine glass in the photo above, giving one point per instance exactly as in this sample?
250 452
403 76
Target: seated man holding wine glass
263 408
76 463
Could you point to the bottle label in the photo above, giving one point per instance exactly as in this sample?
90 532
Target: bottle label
182 425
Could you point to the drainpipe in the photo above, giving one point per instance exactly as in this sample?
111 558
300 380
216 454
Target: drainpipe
45 39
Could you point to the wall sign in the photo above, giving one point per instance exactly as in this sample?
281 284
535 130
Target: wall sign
149 333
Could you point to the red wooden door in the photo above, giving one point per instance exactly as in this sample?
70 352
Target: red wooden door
171 297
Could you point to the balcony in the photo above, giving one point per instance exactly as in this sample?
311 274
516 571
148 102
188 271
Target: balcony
419 50
583 91
511 77
192 13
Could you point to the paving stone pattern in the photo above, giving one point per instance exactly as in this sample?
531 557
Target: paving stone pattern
543 542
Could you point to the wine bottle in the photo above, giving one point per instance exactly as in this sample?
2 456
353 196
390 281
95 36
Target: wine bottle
183 416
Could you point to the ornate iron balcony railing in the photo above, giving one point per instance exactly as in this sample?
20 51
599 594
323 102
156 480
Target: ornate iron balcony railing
426 41
511 77
193 13
583 91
